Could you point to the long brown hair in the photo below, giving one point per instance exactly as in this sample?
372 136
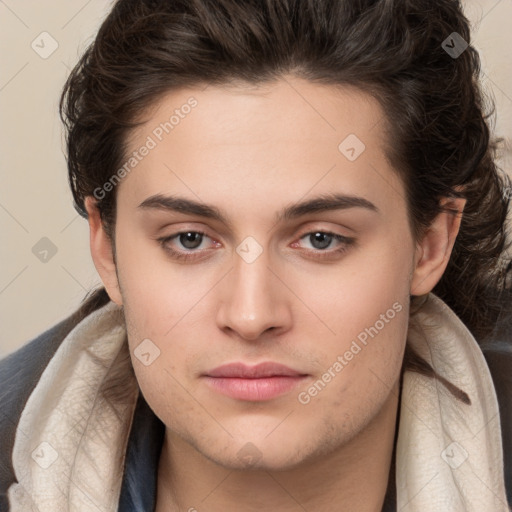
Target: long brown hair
396 50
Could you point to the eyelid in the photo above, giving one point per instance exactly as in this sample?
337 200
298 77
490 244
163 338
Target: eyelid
302 232
308 231
196 254
344 242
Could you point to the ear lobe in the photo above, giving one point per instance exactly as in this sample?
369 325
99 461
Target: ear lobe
433 251
101 251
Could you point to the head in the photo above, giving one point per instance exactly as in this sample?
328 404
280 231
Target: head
205 141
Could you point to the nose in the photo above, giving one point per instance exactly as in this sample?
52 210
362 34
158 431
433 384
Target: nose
255 300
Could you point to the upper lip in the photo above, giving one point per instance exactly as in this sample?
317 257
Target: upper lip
243 371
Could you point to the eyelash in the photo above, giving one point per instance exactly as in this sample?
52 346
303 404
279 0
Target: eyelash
320 254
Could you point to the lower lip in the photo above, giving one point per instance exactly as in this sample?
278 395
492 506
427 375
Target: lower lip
256 390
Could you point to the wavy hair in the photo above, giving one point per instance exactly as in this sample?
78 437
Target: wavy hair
436 114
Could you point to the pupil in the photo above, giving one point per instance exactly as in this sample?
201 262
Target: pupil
326 239
189 240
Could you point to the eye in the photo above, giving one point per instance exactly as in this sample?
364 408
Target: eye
190 239
320 240
191 242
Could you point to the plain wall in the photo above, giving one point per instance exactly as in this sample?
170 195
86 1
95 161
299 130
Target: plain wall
36 212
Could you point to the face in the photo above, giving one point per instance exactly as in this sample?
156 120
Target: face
307 307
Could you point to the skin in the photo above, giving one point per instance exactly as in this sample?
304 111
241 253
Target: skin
251 151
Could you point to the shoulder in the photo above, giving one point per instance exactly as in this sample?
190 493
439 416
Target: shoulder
19 374
498 354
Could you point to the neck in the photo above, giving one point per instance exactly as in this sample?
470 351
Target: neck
353 477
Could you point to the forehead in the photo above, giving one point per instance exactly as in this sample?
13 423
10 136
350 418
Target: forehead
284 138
240 113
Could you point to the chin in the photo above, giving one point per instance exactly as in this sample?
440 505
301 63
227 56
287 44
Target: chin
263 454
263 461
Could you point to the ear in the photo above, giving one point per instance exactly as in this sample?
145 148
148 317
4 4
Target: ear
101 251
433 251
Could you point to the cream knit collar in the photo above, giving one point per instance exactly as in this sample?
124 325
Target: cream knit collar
70 445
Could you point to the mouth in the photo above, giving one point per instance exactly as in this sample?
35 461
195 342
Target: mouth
253 383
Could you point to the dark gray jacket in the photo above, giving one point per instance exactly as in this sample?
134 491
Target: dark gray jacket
21 370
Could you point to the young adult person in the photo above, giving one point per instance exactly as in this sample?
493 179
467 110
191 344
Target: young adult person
297 217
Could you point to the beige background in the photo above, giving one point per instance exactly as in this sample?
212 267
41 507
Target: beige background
35 200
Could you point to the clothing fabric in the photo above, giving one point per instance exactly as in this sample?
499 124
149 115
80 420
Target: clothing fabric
75 451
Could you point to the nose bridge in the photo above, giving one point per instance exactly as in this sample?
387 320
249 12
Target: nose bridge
253 303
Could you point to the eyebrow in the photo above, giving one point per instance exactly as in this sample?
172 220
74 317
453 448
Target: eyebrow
322 203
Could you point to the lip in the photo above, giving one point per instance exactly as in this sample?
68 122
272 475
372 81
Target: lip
258 383
244 371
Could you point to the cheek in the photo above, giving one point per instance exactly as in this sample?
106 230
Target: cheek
356 309
160 362
360 368
367 312
360 365
351 296
157 291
